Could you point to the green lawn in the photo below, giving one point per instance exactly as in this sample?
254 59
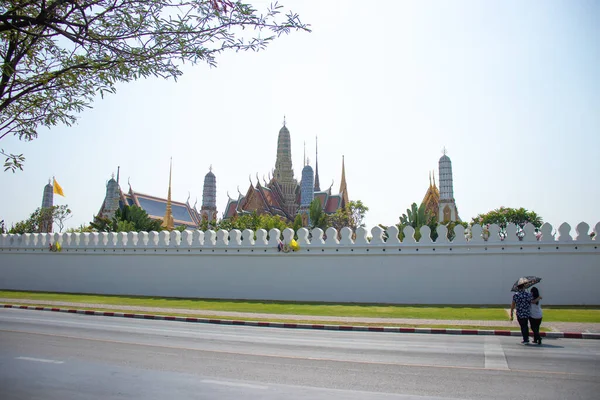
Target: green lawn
299 320
491 313
571 315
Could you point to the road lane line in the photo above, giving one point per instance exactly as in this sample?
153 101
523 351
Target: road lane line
494 354
295 357
235 384
42 360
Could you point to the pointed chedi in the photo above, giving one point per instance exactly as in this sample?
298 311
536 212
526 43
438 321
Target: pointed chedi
168 222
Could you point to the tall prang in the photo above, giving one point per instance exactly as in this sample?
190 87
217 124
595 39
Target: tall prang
208 211
307 193
284 173
111 200
317 183
447 205
344 186
47 202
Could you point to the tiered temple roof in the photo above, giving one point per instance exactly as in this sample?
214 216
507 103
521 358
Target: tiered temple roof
156 207
271 198
432 198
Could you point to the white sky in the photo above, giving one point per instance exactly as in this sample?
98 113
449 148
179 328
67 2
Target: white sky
510 88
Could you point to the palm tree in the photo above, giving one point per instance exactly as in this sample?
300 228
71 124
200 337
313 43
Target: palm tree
418 217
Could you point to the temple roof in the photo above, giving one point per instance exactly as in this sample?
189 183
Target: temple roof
156 208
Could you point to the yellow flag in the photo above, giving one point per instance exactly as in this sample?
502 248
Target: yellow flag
57 189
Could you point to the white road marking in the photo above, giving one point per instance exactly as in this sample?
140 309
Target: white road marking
235 384
42 360
494 354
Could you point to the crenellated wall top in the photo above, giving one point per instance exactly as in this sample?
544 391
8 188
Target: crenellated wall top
473 237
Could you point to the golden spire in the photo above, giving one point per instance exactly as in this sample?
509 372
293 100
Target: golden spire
343 186
433 178
168 223
429 178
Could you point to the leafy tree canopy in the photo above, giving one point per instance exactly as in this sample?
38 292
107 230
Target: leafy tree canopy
351 216
128 219
504 215
253 221
316 215
81 229
417 216
40 217
57 55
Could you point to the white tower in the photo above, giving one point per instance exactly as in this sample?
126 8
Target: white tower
209 197
447 205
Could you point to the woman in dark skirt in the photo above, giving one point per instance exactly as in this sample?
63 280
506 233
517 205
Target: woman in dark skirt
535 315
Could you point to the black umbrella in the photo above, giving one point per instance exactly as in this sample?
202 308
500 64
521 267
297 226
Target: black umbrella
526 281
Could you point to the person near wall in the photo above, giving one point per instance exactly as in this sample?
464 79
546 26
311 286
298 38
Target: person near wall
522 302
535 315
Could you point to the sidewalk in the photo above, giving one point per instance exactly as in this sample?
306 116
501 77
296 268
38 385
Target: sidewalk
554 326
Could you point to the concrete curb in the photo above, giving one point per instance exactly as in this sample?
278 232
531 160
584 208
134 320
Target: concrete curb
565 335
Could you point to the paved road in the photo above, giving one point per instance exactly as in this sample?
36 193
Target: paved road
62 356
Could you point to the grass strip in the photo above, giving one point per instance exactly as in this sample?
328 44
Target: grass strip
279 307
299 321
583 314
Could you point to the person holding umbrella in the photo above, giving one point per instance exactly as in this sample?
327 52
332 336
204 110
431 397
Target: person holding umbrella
522 302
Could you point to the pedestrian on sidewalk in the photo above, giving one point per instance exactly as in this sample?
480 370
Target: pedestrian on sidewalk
535 317
522 302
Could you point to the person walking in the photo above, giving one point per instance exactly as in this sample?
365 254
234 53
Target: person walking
535 315
522 302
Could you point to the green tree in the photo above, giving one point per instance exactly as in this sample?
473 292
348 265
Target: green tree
351 216
102 224
139 218
60 215
450 225
128 219
2 227
58 55
318 218
81 229
41 216
297 224
417 216
357 212
504 215
254 221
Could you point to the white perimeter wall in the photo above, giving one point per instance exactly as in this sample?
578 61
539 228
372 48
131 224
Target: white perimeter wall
465 272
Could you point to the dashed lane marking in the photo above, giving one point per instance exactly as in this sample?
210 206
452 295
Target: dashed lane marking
42 360
235 384
494 354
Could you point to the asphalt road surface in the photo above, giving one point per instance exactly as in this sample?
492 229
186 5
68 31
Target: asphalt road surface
59 356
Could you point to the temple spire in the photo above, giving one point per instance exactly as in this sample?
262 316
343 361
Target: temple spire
47 202
317 183
209 197
168 219
344 186
284 173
